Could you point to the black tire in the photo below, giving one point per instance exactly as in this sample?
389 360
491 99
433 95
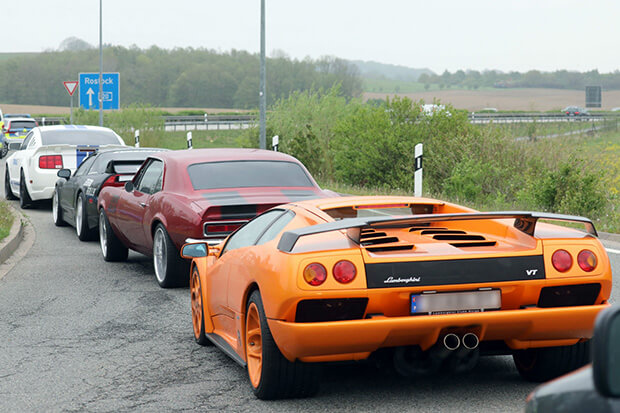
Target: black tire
170 269
25 201
83 232
543 364
111 247
4 150
8 193
198 305
57 210
279 378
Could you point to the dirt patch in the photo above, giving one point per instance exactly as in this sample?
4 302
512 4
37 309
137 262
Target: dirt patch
508 99
65 110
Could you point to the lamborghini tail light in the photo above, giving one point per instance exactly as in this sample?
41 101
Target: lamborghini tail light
344 271
587 260
562 260
50 162
315 274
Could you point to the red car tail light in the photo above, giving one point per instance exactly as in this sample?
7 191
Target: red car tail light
112 181
344 271
587 260
50 162
315 274
562 260
227 228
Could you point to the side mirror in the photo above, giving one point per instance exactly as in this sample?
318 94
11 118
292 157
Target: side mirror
197 250
129 186
606 352
64 173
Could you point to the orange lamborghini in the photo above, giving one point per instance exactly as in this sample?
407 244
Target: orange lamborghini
429 284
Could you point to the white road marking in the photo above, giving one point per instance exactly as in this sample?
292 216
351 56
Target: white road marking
612 251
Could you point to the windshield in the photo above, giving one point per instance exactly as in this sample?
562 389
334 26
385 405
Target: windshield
19 125
240 174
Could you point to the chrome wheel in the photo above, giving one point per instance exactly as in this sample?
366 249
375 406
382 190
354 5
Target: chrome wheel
103 233
79 217
160 255
55 207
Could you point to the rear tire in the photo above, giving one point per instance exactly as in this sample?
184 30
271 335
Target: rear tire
546 363
8 193
198 312
56 210
83 232
111 247
170 269
271 375
25 201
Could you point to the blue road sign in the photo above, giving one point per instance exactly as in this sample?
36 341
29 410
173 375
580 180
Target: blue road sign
89 91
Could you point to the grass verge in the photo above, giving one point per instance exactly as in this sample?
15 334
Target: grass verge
6 220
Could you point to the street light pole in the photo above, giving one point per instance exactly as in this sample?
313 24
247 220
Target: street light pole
100 63
262 101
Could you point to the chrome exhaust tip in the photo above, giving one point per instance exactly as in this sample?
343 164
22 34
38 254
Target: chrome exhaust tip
451 341
470 341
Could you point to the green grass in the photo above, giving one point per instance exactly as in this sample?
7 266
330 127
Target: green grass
6 220
200 139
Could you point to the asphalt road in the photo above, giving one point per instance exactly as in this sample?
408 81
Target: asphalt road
80 334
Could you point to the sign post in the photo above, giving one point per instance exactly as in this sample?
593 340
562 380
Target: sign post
417 175
71 85
137 135
89 86
189 140
274 143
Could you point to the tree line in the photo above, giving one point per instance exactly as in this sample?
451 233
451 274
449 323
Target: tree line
560 79
182 77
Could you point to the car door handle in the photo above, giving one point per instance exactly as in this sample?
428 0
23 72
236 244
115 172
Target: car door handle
143 205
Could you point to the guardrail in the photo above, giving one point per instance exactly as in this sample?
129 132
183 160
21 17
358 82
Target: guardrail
226 122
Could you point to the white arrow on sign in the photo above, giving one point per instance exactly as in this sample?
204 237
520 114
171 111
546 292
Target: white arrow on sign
90 94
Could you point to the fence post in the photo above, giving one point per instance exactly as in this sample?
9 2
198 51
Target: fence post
274 143
189 140
417 175
137 137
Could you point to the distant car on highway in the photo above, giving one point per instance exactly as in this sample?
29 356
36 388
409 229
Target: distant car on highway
75 196
14 129
201 194
31 170
593 388
575 111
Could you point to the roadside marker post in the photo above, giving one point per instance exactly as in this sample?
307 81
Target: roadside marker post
71 85
137 136
417 175
274 143
189 140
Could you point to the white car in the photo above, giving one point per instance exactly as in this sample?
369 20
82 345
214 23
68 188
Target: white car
31 170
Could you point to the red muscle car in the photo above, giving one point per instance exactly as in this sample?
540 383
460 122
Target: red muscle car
195 194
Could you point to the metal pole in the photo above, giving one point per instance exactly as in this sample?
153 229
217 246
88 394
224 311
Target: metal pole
262 97
100 63
71 116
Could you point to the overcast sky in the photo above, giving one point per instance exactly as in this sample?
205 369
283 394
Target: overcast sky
506 35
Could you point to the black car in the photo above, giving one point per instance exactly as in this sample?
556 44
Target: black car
75 196
593 388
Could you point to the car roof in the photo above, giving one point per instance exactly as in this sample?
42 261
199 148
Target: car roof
10 119
187 157
72 128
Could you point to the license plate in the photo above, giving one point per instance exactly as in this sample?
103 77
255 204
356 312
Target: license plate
457 302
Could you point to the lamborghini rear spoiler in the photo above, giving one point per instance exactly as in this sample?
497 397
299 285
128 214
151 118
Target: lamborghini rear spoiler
524 221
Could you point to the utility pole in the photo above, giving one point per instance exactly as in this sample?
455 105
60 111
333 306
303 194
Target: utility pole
100 63
262 98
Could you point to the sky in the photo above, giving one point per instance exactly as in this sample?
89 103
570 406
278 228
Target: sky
517 35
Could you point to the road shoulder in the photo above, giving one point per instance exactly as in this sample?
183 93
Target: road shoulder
17 243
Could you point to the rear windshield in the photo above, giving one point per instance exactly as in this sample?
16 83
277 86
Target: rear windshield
131 161
244 174
22 124
78 137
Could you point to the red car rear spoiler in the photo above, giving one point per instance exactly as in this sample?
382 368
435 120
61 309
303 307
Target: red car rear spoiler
524 221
